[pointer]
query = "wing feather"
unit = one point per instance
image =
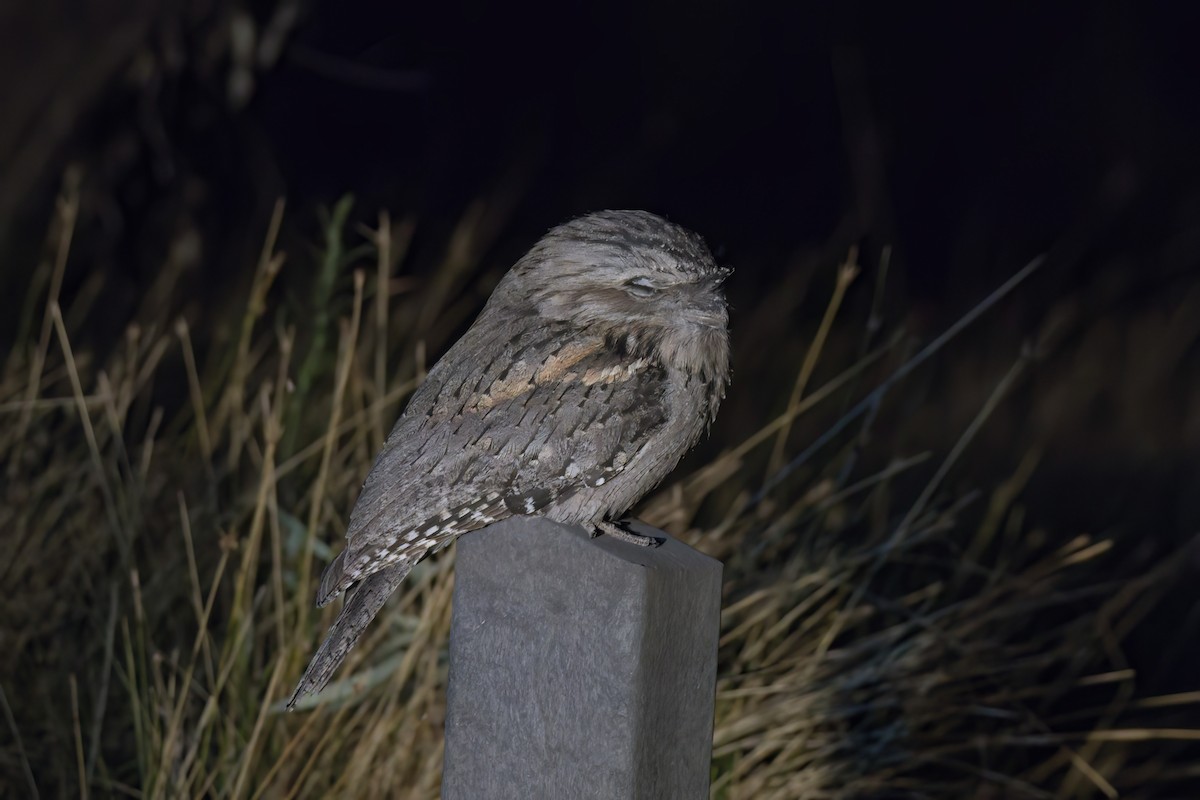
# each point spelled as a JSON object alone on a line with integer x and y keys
{"x": 468, "y": 453}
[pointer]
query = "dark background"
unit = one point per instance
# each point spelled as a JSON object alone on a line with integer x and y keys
{"x": 953, "y": 142}
{"x": 967, "y": 137}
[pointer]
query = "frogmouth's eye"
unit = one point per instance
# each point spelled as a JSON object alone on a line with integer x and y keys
{"x": 641, "y": 287}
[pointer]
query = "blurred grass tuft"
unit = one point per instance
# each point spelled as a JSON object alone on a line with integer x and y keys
{"x": 883, "y": 635}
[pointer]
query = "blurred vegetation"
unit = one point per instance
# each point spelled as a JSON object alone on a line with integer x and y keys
{"x": 883, "y": 634}
{"x": 978, "y": 585}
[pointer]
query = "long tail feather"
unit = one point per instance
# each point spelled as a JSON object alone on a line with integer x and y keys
{"x": 361, "y": 607}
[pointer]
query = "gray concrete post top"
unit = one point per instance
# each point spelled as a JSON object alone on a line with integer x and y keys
{"x": 580, "y": 668}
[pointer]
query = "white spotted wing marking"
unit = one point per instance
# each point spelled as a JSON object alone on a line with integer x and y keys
{"x": 413, "y": 543}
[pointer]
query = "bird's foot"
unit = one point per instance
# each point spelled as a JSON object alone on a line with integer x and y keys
{"x": 623, "y": 534}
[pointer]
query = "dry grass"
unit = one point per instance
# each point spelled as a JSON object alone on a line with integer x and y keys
{"x": 882, "y": 637}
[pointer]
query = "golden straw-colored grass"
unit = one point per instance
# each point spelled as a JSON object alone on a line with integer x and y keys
{"x": 168, "y": 502}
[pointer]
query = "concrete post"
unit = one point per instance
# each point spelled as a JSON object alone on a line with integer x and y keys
{"x": 580, "y": 668}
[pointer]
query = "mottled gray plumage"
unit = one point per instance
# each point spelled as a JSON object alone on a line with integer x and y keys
{"x": 595, "y": 365}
